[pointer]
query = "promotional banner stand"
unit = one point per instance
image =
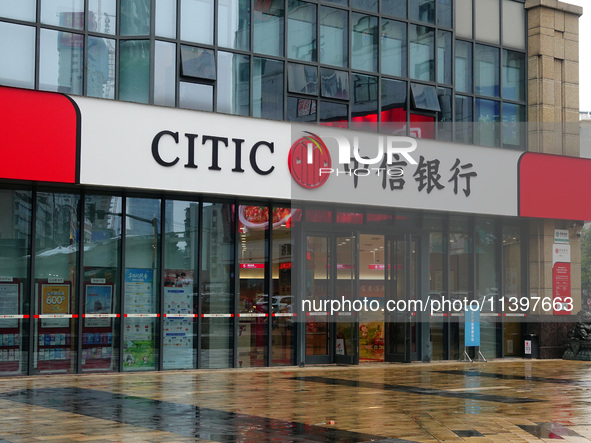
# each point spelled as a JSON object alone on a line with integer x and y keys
{"x": 472, "y": 335}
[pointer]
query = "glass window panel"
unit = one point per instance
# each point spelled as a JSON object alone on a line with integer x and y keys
{"x": 135, "y": 17}
{"x": 233, "y": 92}
{"x": 253, "y": 299}
{"x": 380, "y": 219}
{"x": 366, "y": 5}
{"x": 283, "y": 331}
{"x": 513, "y": 24}
{"x": 267, "y": 94}
{"x": 165, "y": 18}
{"x": 134, "y": 70}
{"x": 512, "y": 286}
{"x": 444, "y": 49}
{"x": 486, "y": 70}
{"x": 422, "y": 53}
{"x": 217, "y": 285}
{"x": 18, "y": 58}
{"x": 181, "y": 261}
{"x": 463, "y": 66}
{"x": 19, "y": 10}
{"x": 354, "y": 218}
{"x": 364, "y": 108}
{"x": 407, "y": 219}
{"x": 487, "y": 118}
{"x": 464, "y": 18}
{"x": 487, "y": 284}
{"x": 15, "y": 241}
{"x": 302, "y": 79}
{"x": 393, "y": 56}
{"x": 317, "y": 280}
{"x": 338, "y": 2}
{"x": 487, "y": 24}
{"x": 394, "y": 107}
{"x": 514, "y": 126}
{"x": 56, "y": 272}
{"x": 333, "y": 114}
{"x": 364, "y": 42}
{"x": 319, "y": 216}
{"x": 424, "y": 97}
{"x": 301, "y": 36}
{"x": 164, "y": 73}
{"x": 422, "y": 126}
{"x": 513, "y": 75}
{"x": 100, "y": 71}
{"x": 197, "y": 63}
{"x": 197, "y": 21}
{"x": 396, "y": 8}
{"x": 437, "y": 290}
{"x": 234, "y": 24}
{"x": 463, "y": 119}
{"x": 102, "y": 249}
{"x": 269, "y": 27}
{"x": 102, "y": 16}
{"x": 422, "y": 10}
{"x": 445, "y": 117}
{"x": 65, "y": 13}
{"x": 196, "y": 96}
{"x": 444, "y": 12}
{"x": 301, "y": 109}
{"x": 142, "y": 284}
{"x": 61, "y": 61}
{"x": 460, "y": 248}
{"x": 334, "y": 84}
{"x": 334, "y": 47}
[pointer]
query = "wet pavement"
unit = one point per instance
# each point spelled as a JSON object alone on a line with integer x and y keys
{"x": 508, "y": 400}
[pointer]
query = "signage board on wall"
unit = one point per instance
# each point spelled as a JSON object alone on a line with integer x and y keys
{"x": 561, "y": 236}
{"x": 138, "y": 146}
{"x": 561, "y": 279}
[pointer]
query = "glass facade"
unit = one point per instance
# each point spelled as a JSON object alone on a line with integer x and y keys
{"x": 232, "y": 56}
{"x": 169, "y": 283}
{"x": 100, "y": 282}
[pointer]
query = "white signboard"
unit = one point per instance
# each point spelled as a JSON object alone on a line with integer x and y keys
{"x": 151, "y": 147}
{"x": 561, "y": 236}
{"x": 560, "y": 253}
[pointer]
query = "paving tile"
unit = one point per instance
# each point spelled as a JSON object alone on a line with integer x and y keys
{"x": 501, "y": 400}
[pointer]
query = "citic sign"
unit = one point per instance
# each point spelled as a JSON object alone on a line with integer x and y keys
{"x": 215, "y": 143}
{"x": 307, "y": 157}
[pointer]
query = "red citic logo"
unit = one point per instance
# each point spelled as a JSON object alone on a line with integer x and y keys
{"x": 306, "y": 157}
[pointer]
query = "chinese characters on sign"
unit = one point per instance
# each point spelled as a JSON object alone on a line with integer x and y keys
{"x": 427, "y": 174}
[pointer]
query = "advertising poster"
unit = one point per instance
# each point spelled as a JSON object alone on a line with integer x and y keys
{"x": 138, "y": 351}
{"x": 561, "y": 276}
{"x": 55, "y": 299}
{"x": 9, "y": 303}
{"x": 178, "y": 332}
{"x": 10, "y": 338}
{"x": 99, "y": 300}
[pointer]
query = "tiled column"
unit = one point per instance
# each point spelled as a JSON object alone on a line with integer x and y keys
{"x": 553, "y": 128}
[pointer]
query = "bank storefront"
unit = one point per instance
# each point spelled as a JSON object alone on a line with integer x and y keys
{"x": 142, "y": 238}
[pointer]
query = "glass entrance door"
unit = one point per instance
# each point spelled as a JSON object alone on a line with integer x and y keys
{"x": 330, "y": 274}
{"x": 401, "y": 286}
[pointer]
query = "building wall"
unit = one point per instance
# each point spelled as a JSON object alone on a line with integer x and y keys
{"x": 553, "y": 128}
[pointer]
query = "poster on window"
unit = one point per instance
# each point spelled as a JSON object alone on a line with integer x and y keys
{"x": 99, "y": 300}
{"x": 178, "y": 331}
{"x": 55, "y": 300}
{"x": 138, "y": 348}
{"x": 9, "y": 304}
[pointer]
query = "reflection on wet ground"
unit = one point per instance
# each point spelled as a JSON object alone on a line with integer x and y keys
{"x": 517, "y": 400}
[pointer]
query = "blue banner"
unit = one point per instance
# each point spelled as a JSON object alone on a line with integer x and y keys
{"x": 472, "y": 327}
